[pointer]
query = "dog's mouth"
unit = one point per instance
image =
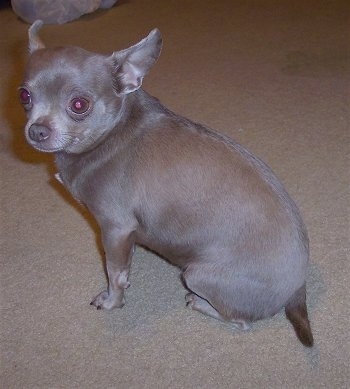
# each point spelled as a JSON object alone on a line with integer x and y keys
{"x": 45, "y": 149}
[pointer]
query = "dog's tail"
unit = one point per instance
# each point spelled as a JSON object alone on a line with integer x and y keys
{"x": 296, "y": 312}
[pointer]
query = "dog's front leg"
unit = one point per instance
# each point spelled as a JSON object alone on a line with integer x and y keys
{"x": 119, "y": 247}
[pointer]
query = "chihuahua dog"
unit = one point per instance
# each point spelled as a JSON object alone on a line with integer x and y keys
{"x": 153, "y": 178}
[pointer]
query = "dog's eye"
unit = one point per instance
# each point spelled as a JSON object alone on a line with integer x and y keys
{"x": 24, "y": 97}
{"x": 79, "y": 105}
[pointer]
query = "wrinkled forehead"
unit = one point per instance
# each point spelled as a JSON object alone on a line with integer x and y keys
{"x": 59, "y": 67}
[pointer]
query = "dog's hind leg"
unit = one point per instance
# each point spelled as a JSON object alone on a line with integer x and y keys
{"x": 201, "y": 298}
{"x": 201, "y": 305}
{"x": 197, "y": 303}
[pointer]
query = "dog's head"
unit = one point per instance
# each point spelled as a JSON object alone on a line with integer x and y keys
{"x": 74, "y": 98}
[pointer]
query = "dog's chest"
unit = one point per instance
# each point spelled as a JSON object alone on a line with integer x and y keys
{"x": 71, "y": 174}
{"x": 92, "y": 181}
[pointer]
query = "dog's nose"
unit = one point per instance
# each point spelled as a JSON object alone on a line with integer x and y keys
{"x": 38, "y": 133}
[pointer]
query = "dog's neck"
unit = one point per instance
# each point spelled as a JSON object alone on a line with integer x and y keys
{"x": 139, "y": 112}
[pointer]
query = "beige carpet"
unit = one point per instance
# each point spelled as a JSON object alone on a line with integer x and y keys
{"x": 272, "y": 74}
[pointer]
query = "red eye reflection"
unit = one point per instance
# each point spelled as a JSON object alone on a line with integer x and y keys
{"x": 24, "y": 96}
{"x": 79, "y": 105}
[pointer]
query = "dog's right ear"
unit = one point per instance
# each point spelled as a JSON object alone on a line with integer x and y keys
{"x": 35, "y": 43}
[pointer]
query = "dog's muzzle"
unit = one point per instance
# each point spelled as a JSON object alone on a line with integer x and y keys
{"x": 38, "y": 133}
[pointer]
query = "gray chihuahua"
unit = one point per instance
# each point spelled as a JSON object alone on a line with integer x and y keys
{"x": 153, "y": 178}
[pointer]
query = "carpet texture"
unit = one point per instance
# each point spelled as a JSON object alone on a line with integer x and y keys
{"x": 272, "y": 74}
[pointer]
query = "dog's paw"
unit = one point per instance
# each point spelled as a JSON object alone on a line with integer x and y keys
{"x": 106, "y": 301}
{"x": 190, "y": 298}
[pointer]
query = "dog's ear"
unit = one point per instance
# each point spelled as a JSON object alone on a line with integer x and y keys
{"x": 132, "y": 64}
{"x": 35, "y": 42}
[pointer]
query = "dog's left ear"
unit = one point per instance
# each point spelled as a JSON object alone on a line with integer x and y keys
{"x": 132, "y": 64}
{"x": 35, "y": 42}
